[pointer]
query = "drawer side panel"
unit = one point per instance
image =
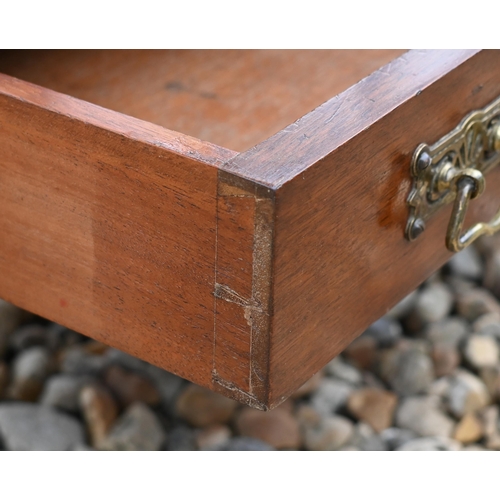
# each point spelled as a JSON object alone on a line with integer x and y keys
{"x": 109, "y": 235}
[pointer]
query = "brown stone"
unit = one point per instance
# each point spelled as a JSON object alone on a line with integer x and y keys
{"x": 99, "y": 410}
{"x": 4, "y": 378}
{"x": 469, "y": 429}
{"x": 276, "y": 427}
{"x": 476, "y": 302}
{"x": 446, "y": 358}
{"x": 491, "y": 378}
{"x": 201, "y": 407}
{"x": 130, "y": 387}
{"x": 362, "y": 352}
{"x": 374, "y": 406}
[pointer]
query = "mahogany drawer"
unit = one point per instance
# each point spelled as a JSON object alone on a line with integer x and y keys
{"x": 247, "y": 271}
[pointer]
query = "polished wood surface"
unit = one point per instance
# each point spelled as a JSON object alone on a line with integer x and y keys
{"x": 234, "y": 98}
{"x": 108, "y": 226}
{"x": 340, "y": 256}
{"x": 245, "y": 273}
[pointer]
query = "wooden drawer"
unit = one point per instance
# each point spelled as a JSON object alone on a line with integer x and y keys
{"x": 245, "y": 271}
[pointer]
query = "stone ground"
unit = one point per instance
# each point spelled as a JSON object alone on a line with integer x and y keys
{"x": 424, "y": 377}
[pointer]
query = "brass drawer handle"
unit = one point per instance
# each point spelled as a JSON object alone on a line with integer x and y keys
{"x": 452, "y": 170}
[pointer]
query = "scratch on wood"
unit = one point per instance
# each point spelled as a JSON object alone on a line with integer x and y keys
{"x": 242, "y": 396}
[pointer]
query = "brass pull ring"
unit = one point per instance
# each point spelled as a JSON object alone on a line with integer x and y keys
{"x": 469, "y": 184}
{"x": 452, "y": 171}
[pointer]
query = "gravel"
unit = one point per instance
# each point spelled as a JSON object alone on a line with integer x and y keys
{"x": 426, "y": 376}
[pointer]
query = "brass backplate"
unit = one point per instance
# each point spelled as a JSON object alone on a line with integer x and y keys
{"x": 474, "y": 143}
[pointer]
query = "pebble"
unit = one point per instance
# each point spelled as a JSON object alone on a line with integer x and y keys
{"x": 491, "y": 277}
{"x": 28, "y": 336}
{"x": 467, "y": 264}
{"x": 433, "y": 303}
{"x": 4, "y": 378}
{"x": 276, "y": 427}
{"x": 62, "y": 391}
{"x": 467, "y": 393}
{"x": 431, "y": 444}
{"x": 31, "y": 427}
{"x": 246, "y": 444}
{"x": 386, "y": 332}
{"x": 490, "y": 421}
{"x": 130, "y": 387}
{"x": 404, "y": 307}
{"x": 324, "y": 433}
{"x": 29, "y": 371}
{"x": 99, "y": 410}
{"x": 481, "y": 351}
{"x": 449, "y": 331}
{"x": 476, "y": 302}
{"x": 341, "y": 370}
{"x": 374, "y": 406}
{"x": 469, "y": 429}
{"x": 491, "y": 378}
{"x": 76, "y": 360}
{"x": 310, "y": 386}
{"x": 406, "y": 369}
{"x": 138, "y": 429}
{"x": 445, "y": 358}
{"x": 181, "y": 438}
{"x": 362, "y": 352}
{"x": 395, "y": 437}
{"x": 10, "y": 318}
{"x": 213, "y": 438}
{"x": 488, "y": 324}
{"x": 365, "y": 439}
{"x": 201, "y": 407}
{"x": 422, "y": 415}
{"x": 331, "y": 396}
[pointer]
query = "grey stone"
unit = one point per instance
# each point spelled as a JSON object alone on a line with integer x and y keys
{"x": 30, "y": 427}
{"x": 325, "y": 433}
{"x": 395, "y": 437}
{"x": 407, "y": 369}
{"x": 476, "y": 302}
{"x": 467, "y": 393}
{"x": 467, "y": 264}
{"x": 246, "y": 444}
{"x": 365, "y": 439}
{"x": 138, "y": 429}
{"x": 421, "y": 415}
{"x": 481, "y": 351}
{"x": 433, "y": 303}
{"x": 491, "y": 278}
{"x": 28, "y": 336}
{"x": 167, "y": 384}
{"x": 77, "y": 361}
{"x": 341, "y": 370}
{"x": 30, "y": 369}
{"x": 386, "y": 331}
{"x": 431, "y": 444}
{"x": 181, "y": 438}
{"x": 62, "y": 391}
{"x": 488, "y": 324}
{"x": 449, "y": 331}
{"x": 402, "y": 308}
{"x": 331, "y": 395}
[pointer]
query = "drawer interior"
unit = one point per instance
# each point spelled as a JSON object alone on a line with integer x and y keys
{"x": 232, "y": 98}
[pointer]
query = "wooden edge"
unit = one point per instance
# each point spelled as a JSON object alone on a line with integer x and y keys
{"x": 243, "y": 302}
{"x": 291, "y": 151}
{"x": 114, "y": 121}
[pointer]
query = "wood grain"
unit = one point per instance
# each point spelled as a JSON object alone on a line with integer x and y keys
{"x": 340, "y": 256}
{"x": 234, "y": 98}
{"x": 244, "y": 273}
{"x": 109, "y": 226}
